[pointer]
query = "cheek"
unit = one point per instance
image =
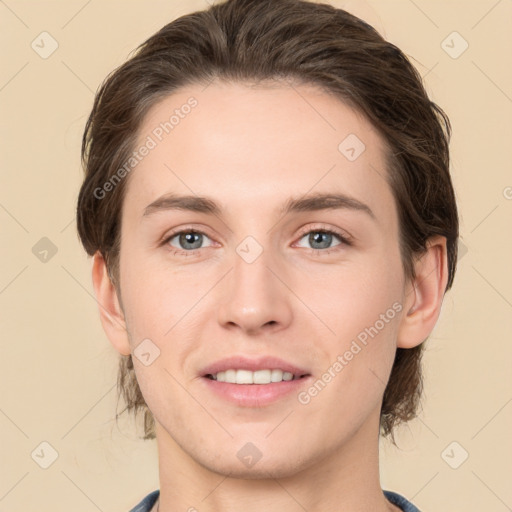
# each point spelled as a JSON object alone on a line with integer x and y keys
{"x": 350, "y": 299}
{"x": 362, "y": 309}
{"x": 155, "y": 295}
{"x": 351, "y": 384}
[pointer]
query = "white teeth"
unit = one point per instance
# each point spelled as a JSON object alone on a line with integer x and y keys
{"x": 230, "y": 376}
{"x": 262, "y": 377}
{"x": 277, "y": 376}
{"x": 244, "y": 377}
{"x": 248, "y": 377}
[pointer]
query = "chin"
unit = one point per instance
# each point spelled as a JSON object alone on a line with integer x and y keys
{"x": 259, "y": 471}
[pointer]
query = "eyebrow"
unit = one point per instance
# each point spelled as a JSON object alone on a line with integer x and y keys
{"x": 307, "y": 203}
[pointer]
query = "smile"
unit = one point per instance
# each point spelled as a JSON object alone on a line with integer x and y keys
{"x": 266, "y": 376}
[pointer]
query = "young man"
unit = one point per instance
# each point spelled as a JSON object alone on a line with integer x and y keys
{"x": 273, "y": 225}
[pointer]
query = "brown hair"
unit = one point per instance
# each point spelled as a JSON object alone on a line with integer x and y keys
{"x": 248, "y": 40}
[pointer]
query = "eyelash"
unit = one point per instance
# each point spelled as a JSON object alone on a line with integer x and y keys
{"x": 343, "y": 238}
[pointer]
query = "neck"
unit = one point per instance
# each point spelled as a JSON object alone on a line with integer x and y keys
{"x": 346, "y": 479}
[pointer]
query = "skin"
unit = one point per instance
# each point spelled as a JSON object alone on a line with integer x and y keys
{"x": 251, "y": 148}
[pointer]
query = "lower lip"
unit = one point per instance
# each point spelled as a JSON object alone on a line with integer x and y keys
{"x": 255, "y": 395}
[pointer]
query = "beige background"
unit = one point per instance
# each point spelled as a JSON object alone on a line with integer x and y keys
{"x": 58, "y": 370}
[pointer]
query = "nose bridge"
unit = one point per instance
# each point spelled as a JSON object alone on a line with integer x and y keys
{"x": 251, "y": 274}
{"x": 253, "y": 297}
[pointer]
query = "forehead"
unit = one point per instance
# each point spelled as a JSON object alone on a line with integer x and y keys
{"x": 256, "y": 146}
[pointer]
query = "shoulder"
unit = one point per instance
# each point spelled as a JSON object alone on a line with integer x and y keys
{"x": 147, "y": 503}
{"x": 400, "y": 501}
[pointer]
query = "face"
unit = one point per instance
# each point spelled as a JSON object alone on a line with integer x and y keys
{"x": 283, "y": 262}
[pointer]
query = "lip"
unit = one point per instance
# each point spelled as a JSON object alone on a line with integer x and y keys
{"x": 245, "y": 363}
{"x": 254, "y": 395}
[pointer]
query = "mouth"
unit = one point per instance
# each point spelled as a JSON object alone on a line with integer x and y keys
{"x": 261, "y": 377}
{"x": 249, "y": 382}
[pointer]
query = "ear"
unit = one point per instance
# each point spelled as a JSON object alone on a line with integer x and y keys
{"x": 424, "y": 295}
{"x": 111, "y": 313}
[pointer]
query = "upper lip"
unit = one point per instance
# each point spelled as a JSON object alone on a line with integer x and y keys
{"x": 252, "y": 364}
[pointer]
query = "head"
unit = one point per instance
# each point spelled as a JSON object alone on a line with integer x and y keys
{"x": 251, "y": 103}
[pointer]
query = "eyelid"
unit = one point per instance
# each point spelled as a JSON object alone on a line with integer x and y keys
{"x": 184, "y": 229}
{"x": 345, "y": 237}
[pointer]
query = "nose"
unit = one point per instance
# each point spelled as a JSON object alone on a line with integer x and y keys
{"x": 254, "y": 296}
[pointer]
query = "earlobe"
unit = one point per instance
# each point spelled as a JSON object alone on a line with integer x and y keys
{"x": 424, "y": 299}
{"x": 111, "y": 313}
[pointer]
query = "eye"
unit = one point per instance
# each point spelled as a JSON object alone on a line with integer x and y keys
{"x": 187, "y": 240}
{"x": 322, "y": 239}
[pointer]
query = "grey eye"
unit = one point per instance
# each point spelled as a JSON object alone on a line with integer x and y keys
{"x": 188, "y": 240}
{"x": 321, "y": 239}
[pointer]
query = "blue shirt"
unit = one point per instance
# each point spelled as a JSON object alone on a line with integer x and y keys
{"x": 395, "y": 498}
